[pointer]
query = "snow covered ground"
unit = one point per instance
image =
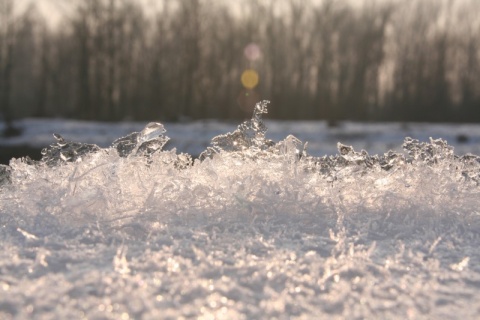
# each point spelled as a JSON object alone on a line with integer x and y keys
{"x": 255, "y": 230}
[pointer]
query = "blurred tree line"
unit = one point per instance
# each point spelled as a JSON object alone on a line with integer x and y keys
{"x": 116, "y": 60}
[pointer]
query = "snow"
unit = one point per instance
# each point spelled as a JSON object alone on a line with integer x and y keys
{"x": 257, "y": 229}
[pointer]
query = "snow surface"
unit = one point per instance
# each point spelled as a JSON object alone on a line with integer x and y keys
{"x": 255, "y": 230}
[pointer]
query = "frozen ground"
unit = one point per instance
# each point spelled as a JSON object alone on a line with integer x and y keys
{"x": 254, "y": 230}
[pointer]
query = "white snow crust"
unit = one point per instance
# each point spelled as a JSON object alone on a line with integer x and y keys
{"x": 262, "y": 230}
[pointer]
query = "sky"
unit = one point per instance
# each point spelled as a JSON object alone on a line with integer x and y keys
{"x": 55, "y": 10}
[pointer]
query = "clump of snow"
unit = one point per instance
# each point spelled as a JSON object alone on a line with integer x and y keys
{"x": 256, "y": 229}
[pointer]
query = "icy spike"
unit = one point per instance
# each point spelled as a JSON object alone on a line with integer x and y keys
{"x": 145, "y": 142}
{"x": 151, "y": 131}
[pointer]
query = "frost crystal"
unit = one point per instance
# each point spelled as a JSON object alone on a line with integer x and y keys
{"x": 146, "y": 142}
{"x": 432, "y": 152}
{"x": 258, "y": 230}
{"x": 65, "y": 151}
{"x": 249, "y": 137}
{"x": 291, "y": 146}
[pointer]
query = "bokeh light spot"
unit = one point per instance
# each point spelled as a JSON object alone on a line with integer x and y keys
{"x": 252, "y": 52}
{"x": 249, "y": 78}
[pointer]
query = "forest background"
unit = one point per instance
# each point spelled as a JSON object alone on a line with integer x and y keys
{"x": 116, "y": 60}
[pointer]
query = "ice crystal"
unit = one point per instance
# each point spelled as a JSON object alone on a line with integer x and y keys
{"x": 146, "y": 142}
{"x": 432, "y": 152}
{"x": 254, "y": 229}
{"x": 65, "y": 151}
{"x": 247, "y": 139}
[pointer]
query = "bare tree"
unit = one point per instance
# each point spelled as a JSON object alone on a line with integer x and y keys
{"x": 326, "y": 59}
{"x": 7, "y": 39}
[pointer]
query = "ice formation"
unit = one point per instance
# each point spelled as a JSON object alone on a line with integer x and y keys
{"x": 252, "y": 229}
